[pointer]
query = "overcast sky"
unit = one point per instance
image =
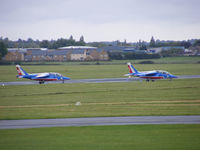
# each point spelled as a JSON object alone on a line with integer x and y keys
{"x": 100, "y": 20}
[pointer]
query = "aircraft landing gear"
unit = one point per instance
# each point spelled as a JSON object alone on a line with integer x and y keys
{"x": 149, "y": 80}
{"x": 41, "y": 82}
{"x": 63, "y": 81}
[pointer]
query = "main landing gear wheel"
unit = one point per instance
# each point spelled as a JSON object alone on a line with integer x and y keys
{"x": 41, "y": 82}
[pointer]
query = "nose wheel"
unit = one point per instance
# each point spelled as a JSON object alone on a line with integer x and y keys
{"x": 63, "y": 81}
{"x": 41, "y": 82}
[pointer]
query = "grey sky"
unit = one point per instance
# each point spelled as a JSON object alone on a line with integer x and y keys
{"x": 100, "y": 20}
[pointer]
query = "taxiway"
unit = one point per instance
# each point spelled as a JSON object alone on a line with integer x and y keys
{"x": 104, "y": 80}
{"x": 98, "y": 121}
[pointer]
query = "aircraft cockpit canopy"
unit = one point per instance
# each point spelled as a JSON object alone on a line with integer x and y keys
{"x": 56, "y": 74}
{"x": 163, "y": 72}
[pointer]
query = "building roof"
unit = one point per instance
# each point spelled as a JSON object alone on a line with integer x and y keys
{"x": 28, "y": 57}
{"x": 21, "y": 50}
{"x": 118, "y": 48}
{"x": 37, "y": 49}
{"x": 57, "y": 52}
{"x": 78, "y": 51}
{"x": 39, "y": 53}
{"x": 78, "y": 47}
{"x": 49, "y": 53}
{"x": 173, "y": 47}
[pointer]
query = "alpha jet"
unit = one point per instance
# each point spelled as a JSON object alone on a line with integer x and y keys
{"x": 149, "y": 75}
{"x": 41, "y": 77}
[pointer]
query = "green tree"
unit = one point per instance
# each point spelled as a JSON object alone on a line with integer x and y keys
{"x": 186, "y": 44}
{"x": 3, "y": 49}
{"x": 71, "y": 41}
{"x": 81, "y": 39}
{"x": 44, "y": 44}
{"x": 172, "y": 52}
{"x": 152, "y": 42}
{"x": 81, "y": 42}
{"x": 97, "y": 44}
{"x": 142, "y": 46}
{"x": 71, "y": 38}
{"x": 196, "y": 43}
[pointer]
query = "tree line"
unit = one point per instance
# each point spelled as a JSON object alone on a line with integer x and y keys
{"x": 141, "y": 45}
{"x": 62, "y": 42}
{"x": 51, "y": 44}
{"x": 157, "y": 43}
{"x": 131, "y": 55}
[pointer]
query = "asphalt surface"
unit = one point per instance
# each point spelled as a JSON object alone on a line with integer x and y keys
{"x": 105, "y": 80}
{"x": 98, "y": 121}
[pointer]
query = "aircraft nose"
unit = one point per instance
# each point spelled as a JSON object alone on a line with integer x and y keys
{"x": 66, "y": 78}
{"x": 173, "y": 76}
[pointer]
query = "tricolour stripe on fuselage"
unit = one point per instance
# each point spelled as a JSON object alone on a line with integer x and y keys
{"x": 149, "y": 77}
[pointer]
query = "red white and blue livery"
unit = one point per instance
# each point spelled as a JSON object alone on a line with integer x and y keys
{"x": 149, "y": 75}
{"x": 41, "y": 77}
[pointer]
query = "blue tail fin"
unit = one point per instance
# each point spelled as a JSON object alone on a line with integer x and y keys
{"x": 131, "y": 68}
{"x": 21, "y": 71}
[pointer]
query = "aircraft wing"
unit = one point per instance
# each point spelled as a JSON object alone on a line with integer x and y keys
{"x": 130, "y": 74}
{"x": 150, "y": 73}
{"x": 42, "y": 75}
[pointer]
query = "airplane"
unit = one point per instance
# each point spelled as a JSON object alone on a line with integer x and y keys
{"x": 149, "y": 75}
{"x": 41, "y": 77}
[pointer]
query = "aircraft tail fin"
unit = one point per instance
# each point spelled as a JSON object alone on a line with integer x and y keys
{"x": 131, "y": 68}
{"x": 21, "y": 71}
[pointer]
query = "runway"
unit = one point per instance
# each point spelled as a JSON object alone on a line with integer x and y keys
{"x": 104, "y": 80}
{"x": 98, "y": 121}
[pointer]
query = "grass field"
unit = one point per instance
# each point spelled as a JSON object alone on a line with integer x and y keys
{"x": 165, "y": 60}
{"x": 177, "y": 97}
{"x": 164, "y": 97}
{"x": 139, "y": 137}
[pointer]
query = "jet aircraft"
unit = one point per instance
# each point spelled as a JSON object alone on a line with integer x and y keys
{"x": 149, "y": 75}
{"x": 41, "y": 77}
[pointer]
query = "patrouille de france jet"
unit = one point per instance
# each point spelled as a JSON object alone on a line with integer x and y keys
{"x": 149, "y": 75}
{"x": 41, "y": 77}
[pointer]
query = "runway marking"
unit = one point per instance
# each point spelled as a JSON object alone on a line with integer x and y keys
{"x": 146, "y": 103}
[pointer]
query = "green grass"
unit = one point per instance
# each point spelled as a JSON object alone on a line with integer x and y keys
{"x": 164, "y": 97}
{"x": 177, "y": 97}
{"x": 165, "y": 60}
{"x": 172, "y": 60}
{"x": 139, "y": 137}
{"x": 8, "y": 73}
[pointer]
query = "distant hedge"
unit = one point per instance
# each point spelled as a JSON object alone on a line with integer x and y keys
{"x": 131, "y": 55}
{"x": 146, "y": 62}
